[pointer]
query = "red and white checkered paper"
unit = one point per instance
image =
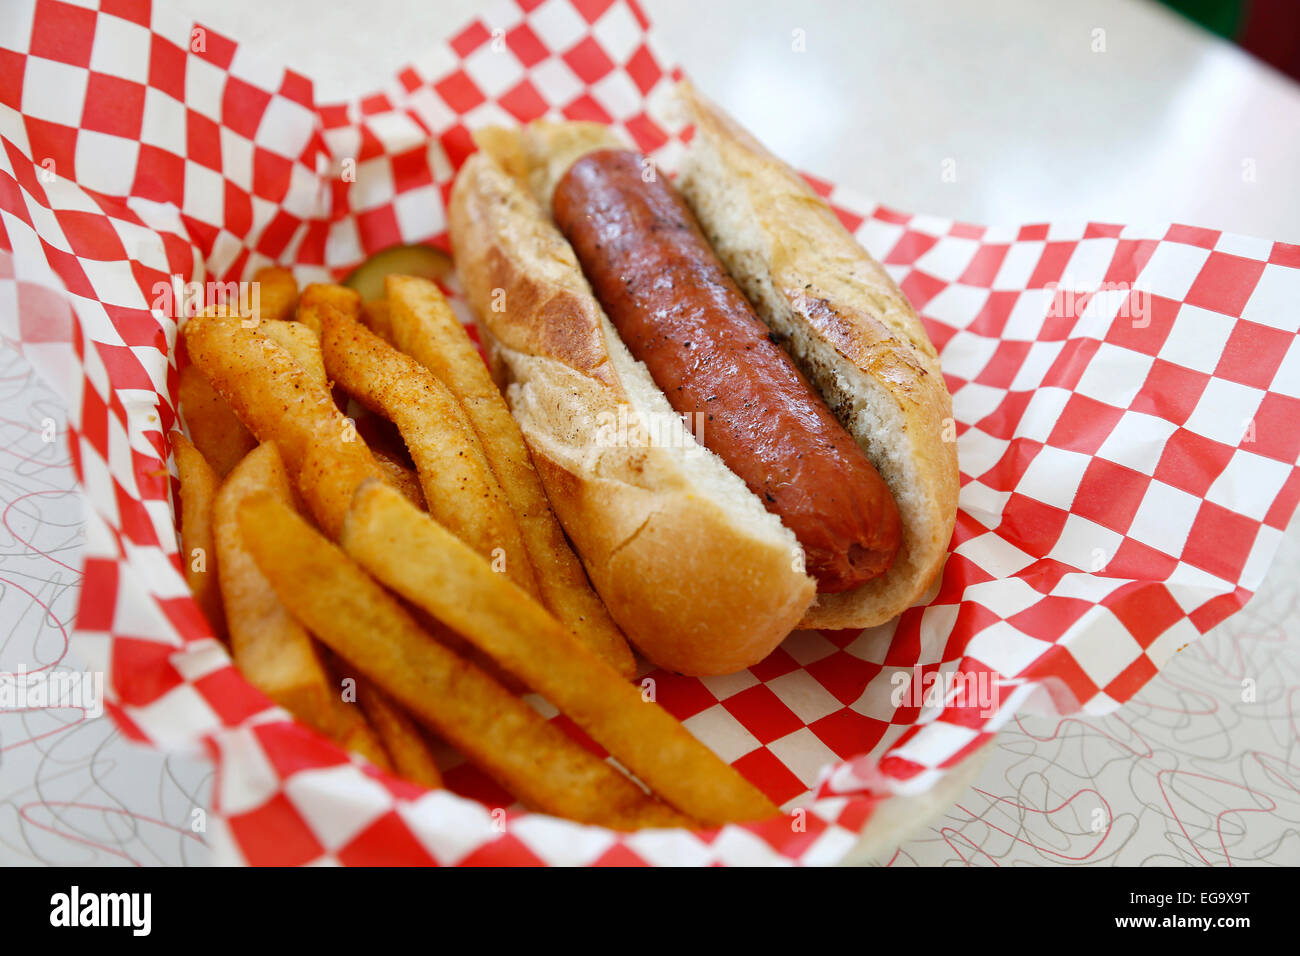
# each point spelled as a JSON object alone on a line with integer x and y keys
{"x": 1124, "y": 483}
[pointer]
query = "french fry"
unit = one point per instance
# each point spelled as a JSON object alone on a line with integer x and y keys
{"x": 275, "y": 299}
{"x": 374, "y": 316}
{"x": 424, "y": 327}
{"x": 217, "y": 432}
{"x": 198, "y": 552}
{"x": 300, "y": 342}
{"x": 402, "y": 478}
{"x": 408, "y": 551}
{"x": 460, "y": 489}
{"x": 277, "y": 401}
{"x": 401, "y": 736}
{"x": 271, "y": 649}
{"x": 277, "y": 293}
{"x": 321, "y": 297}
{"x": 318, "y": 480}
{"x": 326, "y": 480}
{"x": 347, "y": 610}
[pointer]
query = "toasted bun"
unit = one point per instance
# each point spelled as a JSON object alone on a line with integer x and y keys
{"x": 848, "y": 328}
{"x": 701, "y": 577}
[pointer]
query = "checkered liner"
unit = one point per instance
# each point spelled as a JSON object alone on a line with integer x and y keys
{"x": 1126, "y": 404}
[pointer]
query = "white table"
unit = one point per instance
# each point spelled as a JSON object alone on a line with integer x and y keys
{"x": 1037, "y": 126}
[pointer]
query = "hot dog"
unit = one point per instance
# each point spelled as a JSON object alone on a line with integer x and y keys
{"x": 827, "y": 494}
{"x": 679, "y": 312}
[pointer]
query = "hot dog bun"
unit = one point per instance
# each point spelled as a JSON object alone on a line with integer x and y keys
{"x": 699, "y": 575}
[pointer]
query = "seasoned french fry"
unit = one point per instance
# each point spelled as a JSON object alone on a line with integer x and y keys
{"x": 374, "y": 315}
{"x": 300, "y": 342}
{"x": 424, "y": 327}
{"x": 460, "y": 489}
{"x": 347, "y": 610}
{"x": 272, "y": 650}
{"x": 401, "y": 736}
{"x": 319, "y": 480}
{"x": 216, "y": 430}
{"x": 277, "y": 293}
{"x": 408, "y": 551}
{"x": 277, "y": 401}
{"x": 321, "y": 297}
{"x": 198, "y": 553}
{"x": 402, "y": 478}
{"x": 326, "y": 480}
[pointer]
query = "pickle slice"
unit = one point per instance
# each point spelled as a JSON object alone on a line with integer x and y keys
{"x": 426, "y": 262}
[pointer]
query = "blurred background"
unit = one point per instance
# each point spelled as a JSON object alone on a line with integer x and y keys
{"x": 1270, "y": 29}
{"x": 996, "y": 111}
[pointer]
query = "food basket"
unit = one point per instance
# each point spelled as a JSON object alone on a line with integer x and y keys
{"x": 1126, "y": 403}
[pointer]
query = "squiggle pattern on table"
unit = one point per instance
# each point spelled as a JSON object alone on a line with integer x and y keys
{"x": 72, "y": 790}
{"x": 1199, "y": 769}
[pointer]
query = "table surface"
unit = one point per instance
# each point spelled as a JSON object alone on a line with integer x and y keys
{"x": 1042, "y": 118}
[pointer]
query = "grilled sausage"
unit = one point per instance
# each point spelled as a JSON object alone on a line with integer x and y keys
{"x": 678, "y": 311}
